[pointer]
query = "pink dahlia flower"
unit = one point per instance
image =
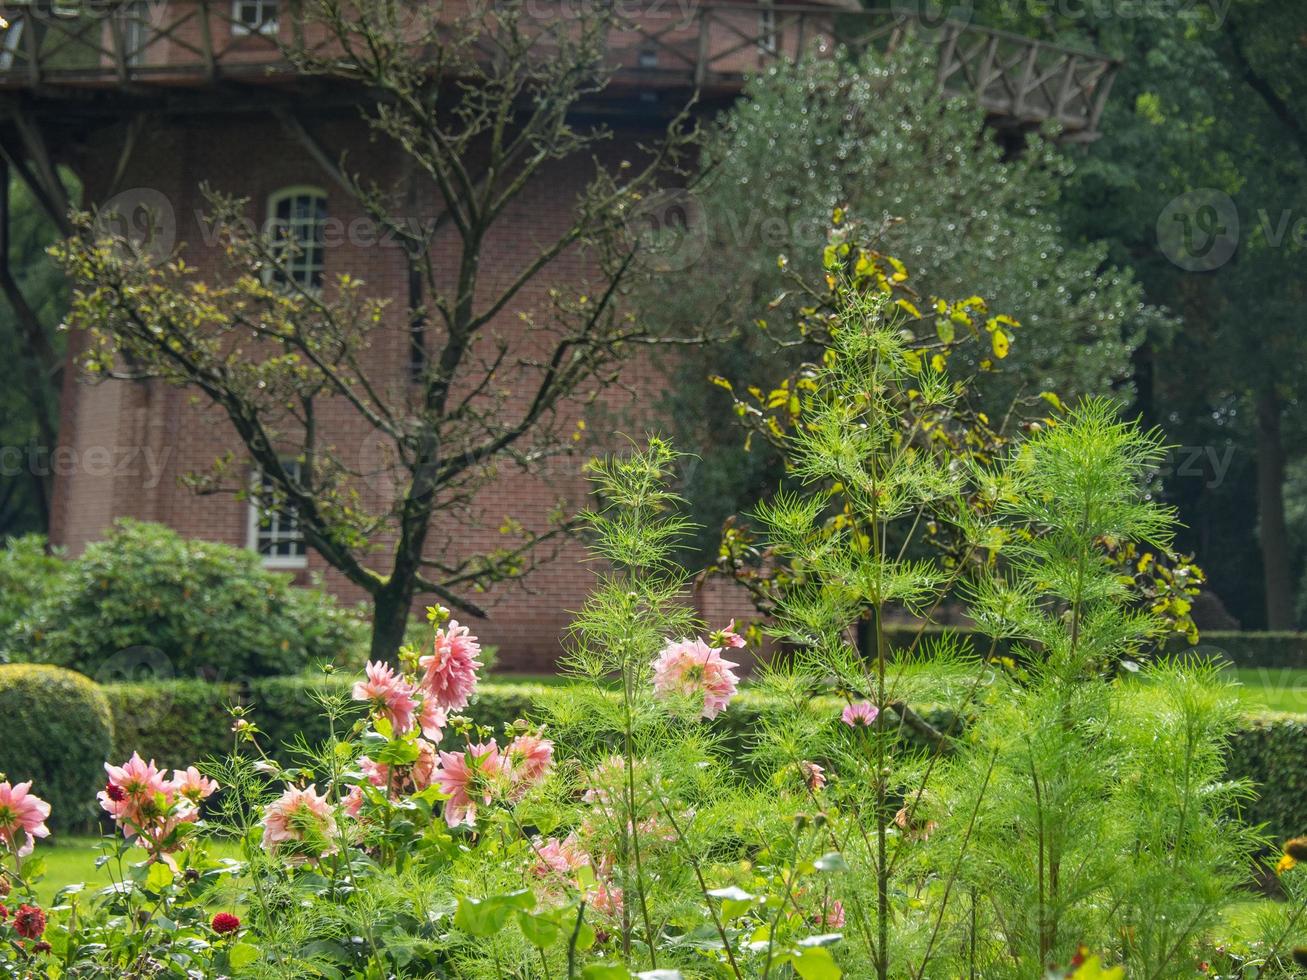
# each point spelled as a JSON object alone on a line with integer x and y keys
{"x": 451, "y": 670}
{"x": 302, "y": 819}
{"x": 606, "y": 899}
{"x": 433, "y": 719}
{"x": 389, "y": 694}
{"x": 529, "y": 758}
{"x": 814, "y": 775}
{"x": 423, "y": 773}
{"x": 468, "y": 778}
{"x": 831, "y": 916}
{"x": 860, "y": 714}
{"x": 692, "y": 668}
{"x": 22, "y": 815}
{"x": 136, "y": 796}
{"x": 192, "y": 786}
{"x": 560, "y": 857}
{"x": 727, "y": 637}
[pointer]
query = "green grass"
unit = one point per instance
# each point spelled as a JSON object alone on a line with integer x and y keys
{"x": 1274, "y": 688}
{"x": 69, "y": 860}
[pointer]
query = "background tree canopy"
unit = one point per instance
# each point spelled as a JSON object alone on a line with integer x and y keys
{"x": 873, "y": 137}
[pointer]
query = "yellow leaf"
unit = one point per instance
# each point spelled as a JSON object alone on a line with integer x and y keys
{"x": 1052, "y": 399}
{"x": 908, "y": 308}
{"x": 1000, "y": 344}
{"x": 937, "y": 363}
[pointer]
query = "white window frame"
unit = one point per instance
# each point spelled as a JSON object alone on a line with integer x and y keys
{"x": 768, "y": 40}
{"x": 254, "y": 530}
{"x": 265, "y": 24}
{"x": 273, "y": 230}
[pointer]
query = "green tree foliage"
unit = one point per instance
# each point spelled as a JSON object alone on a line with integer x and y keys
{"x": 875, "y": 137}
{"x": 31, "y": 354}
{"x": 1204, "y": 144}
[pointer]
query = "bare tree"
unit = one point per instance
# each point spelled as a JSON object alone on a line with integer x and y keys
{"x": 479, "y": 105}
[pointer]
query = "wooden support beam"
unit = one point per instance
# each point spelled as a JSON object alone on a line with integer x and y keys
{"x": 46, "y": 173}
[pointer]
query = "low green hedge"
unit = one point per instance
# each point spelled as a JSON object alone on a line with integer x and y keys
{"x": 180, "y": 722}
{"x": 58, "y": 732}
{"x": 1253, "y": 649}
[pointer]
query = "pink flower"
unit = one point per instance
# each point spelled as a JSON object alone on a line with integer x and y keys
{"x": 137, "y": 795}
{"x": 302, "y": 819}
{"x": 467, "y": 778}
{"x": 451, "y": 670}
{"x": 353, "y": 802}
{"x": 727, "y": 637}
{"x": 529, "y": 758}
{"x": 831, "y": 916}
{"x": 424, "y": 769}
{"x": 377, "y": 773}
{"x": 691, "y": 667}
{"x": 192, "y": 786}
{"x": 23, "y": 814}
{"x": 389, "y": 694}
{"x": 433, "y": 719}
{"x": 813, "y": 774}
{"x": 860, "y": 714}
{"x": 560, "y": 857}
{"x": 606, "y": 899}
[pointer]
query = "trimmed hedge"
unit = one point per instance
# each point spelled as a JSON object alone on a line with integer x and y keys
{"x": 1253, "y": 649}
{"x": 1271, "y": 750}
{"x": 180, "y": 722}
{"x": 58, "y": 734}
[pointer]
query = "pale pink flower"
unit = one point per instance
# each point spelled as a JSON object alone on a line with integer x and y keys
{"x": 423, "y": 773}
{"x": 860, "y": 714}
{"x": 192, "y": 786}
{"x": 136, "y": 796}
{"x": 451, "y": 670}
{"x": 560, "y": 857}
{"x": 433, "y": 719}
{"x": 353, "y": 801}
{"x": 377, "y": 773}
{"x": 23, "y": 814}
{"x": 606, "y": 899}
{"x": 727, "y": 637}
{"x": 691, "y": 668}
{"x": 468, "y": 778}
{"x": 831, "y": 916}
{"x": 813, "y": 774}
{"x": 389, "y": 694}
{"x": 299, "y": 817}
{"x": 529, "y": 758}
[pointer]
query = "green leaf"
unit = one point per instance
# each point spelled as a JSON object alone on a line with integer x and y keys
{"x": 815, "y": 963}
{"x": 242, "y": 955}
{"x": 734, "y": 893}
{"x": 606, "y": 971}
{"x": 159, "y": 877}
{"x": 831, "y": 862}
{"x": 540, "y": 931}
{"x": 944, "y": 327}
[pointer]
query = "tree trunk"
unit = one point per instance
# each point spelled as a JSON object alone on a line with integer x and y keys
{"x": 1270, "y": 512}
{"x": 389, "y": 621}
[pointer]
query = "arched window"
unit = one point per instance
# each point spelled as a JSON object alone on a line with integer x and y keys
{"x": 296, "y": 218}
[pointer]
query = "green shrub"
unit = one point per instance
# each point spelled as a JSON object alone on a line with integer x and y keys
{"x": 58, "y": 734}
{"x": 27, "y": 574}
{"x": 1254, "y": 649}
{"x": 1271, "y": 750}
{"x": 145, "y": 596}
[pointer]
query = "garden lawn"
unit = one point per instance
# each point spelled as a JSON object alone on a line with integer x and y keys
{"x": 1273, "y": 688}
{"x": 69, "y": 860}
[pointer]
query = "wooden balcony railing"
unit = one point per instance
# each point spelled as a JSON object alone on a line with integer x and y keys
{"x": 174, "y": 43}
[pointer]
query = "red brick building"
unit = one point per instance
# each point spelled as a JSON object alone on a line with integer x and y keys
{"x": 147, "y": 100}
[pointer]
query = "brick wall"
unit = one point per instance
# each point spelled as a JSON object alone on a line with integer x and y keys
{"x": 157, "y": 433}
